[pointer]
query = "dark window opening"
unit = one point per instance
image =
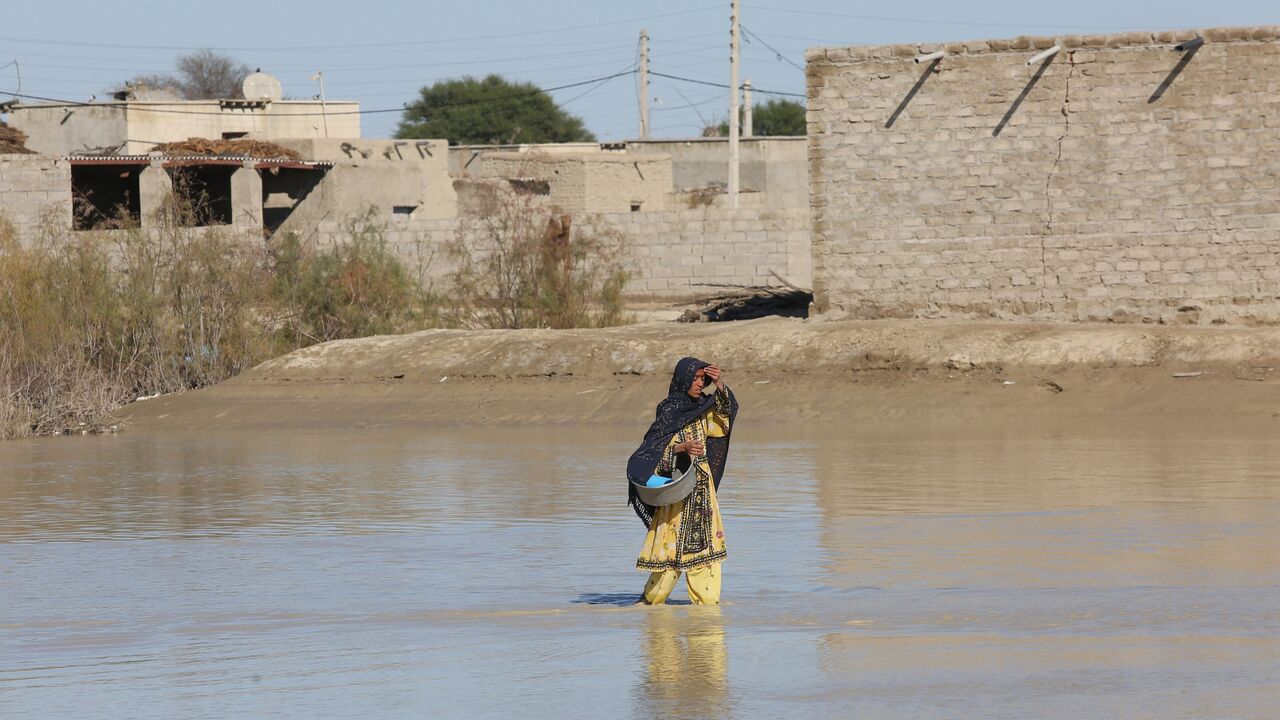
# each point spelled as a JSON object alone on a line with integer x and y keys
{"x": 105, "y": 196}
{"x": 234, "y": 135}
{"x": 204, "y": 194}
{"x": 635, "y": 207}
{"x": 524, "y": 186}
{"x": 283, "y": 189}
{"x": 403, "y": 209}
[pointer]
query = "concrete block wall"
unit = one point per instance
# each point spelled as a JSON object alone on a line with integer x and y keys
{"x": 134, "y": 127}
{"x": 1120, "y": 180}
{"x": 683, "y": 254}
{"x": 673, "y": 255}
{"x": 35, "y": 190}
{"x": 774, "y": 167}
{"x": 586, "y": 182}
{"x": 380, "y": 173}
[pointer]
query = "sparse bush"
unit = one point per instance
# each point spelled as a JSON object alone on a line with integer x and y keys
{"x": 521, "y": 266}
{"x": 355, "y": 288}
{"x": 91, "y": 320}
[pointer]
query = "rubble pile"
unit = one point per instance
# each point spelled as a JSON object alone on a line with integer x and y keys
{"x": 747, "y": 303}
{"x": 239, "y": 148}
{"x": 13, "y": 141}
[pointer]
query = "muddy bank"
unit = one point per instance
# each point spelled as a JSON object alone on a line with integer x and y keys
{"x": 786, "y": 369}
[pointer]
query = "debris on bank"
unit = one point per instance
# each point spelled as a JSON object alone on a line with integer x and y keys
{"x": 748, "y": 303}
{"x": 13, "y": 141}
{"x": 241, "y": 147}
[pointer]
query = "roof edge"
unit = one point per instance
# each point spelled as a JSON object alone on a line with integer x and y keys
{"x": 826, "y": 55}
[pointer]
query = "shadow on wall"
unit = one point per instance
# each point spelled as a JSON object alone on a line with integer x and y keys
{"x": 283, "y": 190}
{"x": 1174, "y": 73}
{"x": 931, "y": 69}
{"x": 1189, "y": 49}
{"x": 1022, "y": 95}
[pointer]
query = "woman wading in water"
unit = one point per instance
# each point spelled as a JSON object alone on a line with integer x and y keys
{"x": 691, "y": 428}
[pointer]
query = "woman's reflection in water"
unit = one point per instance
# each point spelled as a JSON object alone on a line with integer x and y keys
{"x": 687, "y": 663}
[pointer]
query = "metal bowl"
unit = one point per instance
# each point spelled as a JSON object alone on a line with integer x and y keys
{"x": 672, "y": 492}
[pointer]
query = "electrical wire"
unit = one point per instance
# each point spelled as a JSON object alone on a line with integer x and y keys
{"x": 364, "y": 46}
{"x": 929, "y": 21}
{"x": 599, "y": 84}
{"x": 725, "y": 85}
{"x": 689, "y": 103}
{"x": 365, "y": 68}
{"x": 479, "y": 101}
{"x": 776, "y": 52}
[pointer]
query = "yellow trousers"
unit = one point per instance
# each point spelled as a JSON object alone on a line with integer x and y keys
{"x": 703, "y": 582}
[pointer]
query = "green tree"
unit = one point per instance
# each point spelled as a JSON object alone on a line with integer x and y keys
{"x": 774, "y": 117}
{"x": 494, "y": 110}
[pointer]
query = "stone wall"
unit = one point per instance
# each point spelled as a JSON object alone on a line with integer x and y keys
{"x": 1121, "y": 179}
{"x": 35, "y": 192}
{"x": 673, "y": 255}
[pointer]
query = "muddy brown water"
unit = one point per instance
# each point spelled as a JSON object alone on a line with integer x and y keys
{"x": 896, "y": 570}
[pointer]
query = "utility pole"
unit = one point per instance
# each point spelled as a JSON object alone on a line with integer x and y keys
{"x": 644, "y": 84}
{"x": 746, "y": 108}
{"x": 733, "y": 107}
{"x": 324, "y": 113}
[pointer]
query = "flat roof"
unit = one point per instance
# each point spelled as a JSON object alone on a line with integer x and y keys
{"x": 187, "y": 160}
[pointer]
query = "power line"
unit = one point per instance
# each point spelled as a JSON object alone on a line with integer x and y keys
{"x": 116, "y": 81}
{"x": 166, "y": 65}
{"x": 689, "y": 103}
{"x": 351, "y": 68}
{"x": 365, "y": 46}
{"x": 599, "y": 84}
{"x": 693, "y": 106}
{"x": 929, "y": 21}
{"x": 725, "y": 85}
{"x": 477, "y": 101}
{"x": 775, "y": 51}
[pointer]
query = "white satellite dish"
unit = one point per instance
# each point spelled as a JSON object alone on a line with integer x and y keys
{"x": 261, "y": 86}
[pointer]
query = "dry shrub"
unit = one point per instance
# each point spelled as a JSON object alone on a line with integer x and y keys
{"x": 94, "y": 319}
{"x": 354, "y": 288}
{"x": 523, "y": 265}
{"x": 703, "y": 196}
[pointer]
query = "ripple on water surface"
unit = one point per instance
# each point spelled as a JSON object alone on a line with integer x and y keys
{"x": 896, "y": 570}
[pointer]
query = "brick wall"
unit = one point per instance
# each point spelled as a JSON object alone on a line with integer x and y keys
{"x": 1121, "y": 180}
{"x": 35, "y": 189}
{"x": 672, "y": 255}
{"x": 678, "y": 254}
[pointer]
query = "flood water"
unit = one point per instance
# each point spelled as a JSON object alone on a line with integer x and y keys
{"x": 891, "y": 571}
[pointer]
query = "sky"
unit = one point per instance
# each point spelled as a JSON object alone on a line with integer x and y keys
{"x": 381, "y": 53}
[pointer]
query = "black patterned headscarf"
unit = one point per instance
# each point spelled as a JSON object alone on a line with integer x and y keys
{"x": 676, "y": 412}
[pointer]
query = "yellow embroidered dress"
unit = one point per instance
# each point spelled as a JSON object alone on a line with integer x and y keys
{"x": 689, "y": 534}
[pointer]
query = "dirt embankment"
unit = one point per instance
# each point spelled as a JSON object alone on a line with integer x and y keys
{"x": 782, "y": 369}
